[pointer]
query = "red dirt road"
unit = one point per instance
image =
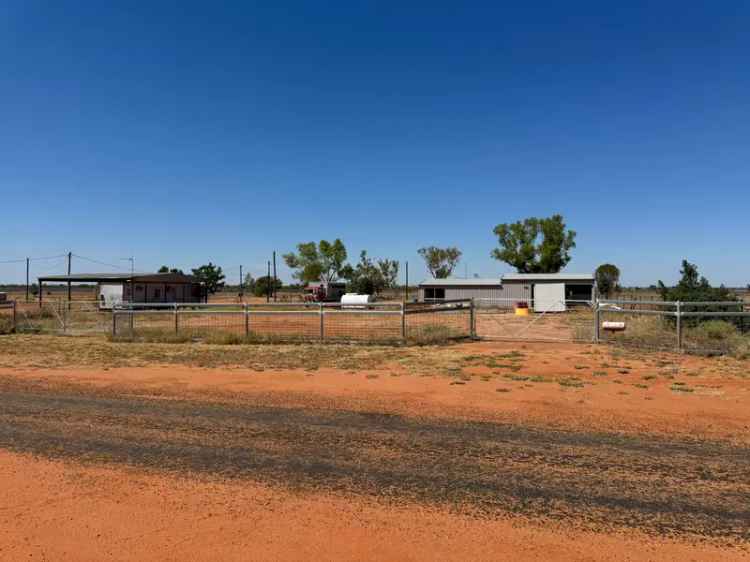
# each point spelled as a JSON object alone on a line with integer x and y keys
{"x": 64, "y": 512}
{"x": 180, "y": 463}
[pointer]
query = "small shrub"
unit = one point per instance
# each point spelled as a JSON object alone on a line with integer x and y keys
{"x": 6, "y": 325}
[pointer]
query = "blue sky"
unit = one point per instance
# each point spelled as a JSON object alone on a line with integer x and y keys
{"x": 185, "y": 132}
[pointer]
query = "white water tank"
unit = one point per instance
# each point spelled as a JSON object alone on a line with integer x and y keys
{"x": 355, "y": 300}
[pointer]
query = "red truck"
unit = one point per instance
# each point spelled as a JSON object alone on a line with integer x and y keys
{"x": 324, "y": 292}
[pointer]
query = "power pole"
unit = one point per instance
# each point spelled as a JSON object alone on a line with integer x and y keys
{"x": 268, "y": 278}
{"x": 70, "y": 258}
{"x": 27, "y": 279}
{"x": 274, "y": 276}
{"x": 242, "y": 292}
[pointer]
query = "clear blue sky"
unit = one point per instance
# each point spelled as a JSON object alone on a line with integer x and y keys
{"x": 185, "y": 132}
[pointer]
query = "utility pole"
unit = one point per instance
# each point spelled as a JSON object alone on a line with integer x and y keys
{"x": 70, "y": 258}
{"x": 27, "y": 279}
{"x": 268, "y": 278}
{"x": 242, "y": 292}
{"x": 274, "y": 276}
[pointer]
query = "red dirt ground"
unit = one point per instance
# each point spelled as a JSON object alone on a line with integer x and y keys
{"x": 63, "y": 510}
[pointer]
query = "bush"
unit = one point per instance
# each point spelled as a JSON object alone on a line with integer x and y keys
{"x": 717, "y": 337}
{"x": 6, "y": 325}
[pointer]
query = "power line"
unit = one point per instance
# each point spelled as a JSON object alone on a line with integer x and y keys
{"x": 98, "y": 262}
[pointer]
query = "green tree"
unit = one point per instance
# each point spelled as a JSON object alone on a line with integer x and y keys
{"x": 211, "y": 276}
{"x": 262, "y": 286}
{"x": 693, "y": 287}
{"x": 323, "y": 262}
{"x": 249, "y": 283}
{"x": 607, "y": 278}
{"x": 389, "y": 272}
{"x": 166, "y": 269}
{"x": 364, "y": 278}
{"x": 535, "y": 245}
{"x": 440, "y": 262}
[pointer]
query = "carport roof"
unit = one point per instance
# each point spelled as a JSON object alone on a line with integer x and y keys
{"x": 103, "y": 277}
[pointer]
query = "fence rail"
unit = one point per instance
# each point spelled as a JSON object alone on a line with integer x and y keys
{"x": 386, "y": 321}
{"x": 702, "y": 327}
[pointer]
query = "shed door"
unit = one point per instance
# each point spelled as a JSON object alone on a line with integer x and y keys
{"x": 549, "y": 297}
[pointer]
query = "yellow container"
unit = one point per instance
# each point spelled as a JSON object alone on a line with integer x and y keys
{"x": 522, "y": 311}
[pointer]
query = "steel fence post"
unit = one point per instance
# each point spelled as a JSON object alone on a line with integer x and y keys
{"x": 322, "y": 327}
{"x": 114, "y": 322}
{"x": 14, "y": 317}
{"x": 597, "y": 321}
{"x": 247, "y": 320}
{"x": 472, "y": 320}
{"x": 403, "y": 321}
{"x": 176, "y": 319}
{"x": 679, "y": 325}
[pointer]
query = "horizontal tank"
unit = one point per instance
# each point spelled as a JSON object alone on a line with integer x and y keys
{"x": 355, "y": 300}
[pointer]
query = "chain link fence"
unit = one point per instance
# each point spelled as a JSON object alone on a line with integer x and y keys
{"x": 373, "y": 322}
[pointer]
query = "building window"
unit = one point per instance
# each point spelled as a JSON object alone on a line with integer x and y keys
{"x": 434, "y": 294}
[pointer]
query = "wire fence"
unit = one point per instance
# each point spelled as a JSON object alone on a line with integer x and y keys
{"x": 543, "y": 320}
{"x": 373, "y": 322}
{"x": 694, "y": 327}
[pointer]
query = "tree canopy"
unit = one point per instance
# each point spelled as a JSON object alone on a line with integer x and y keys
{"x": 369, "y": 277}
{"x": 535, "y": 245}
{"x": 440, "y": 262}
{"x": 167, "y": 269}
{"x": 607, "y": 278}
{"x": 262, "y": 286}
{"x": 210, "y": 275}
{"x": 323, "y": 262}
{"x": 693, "y": 287}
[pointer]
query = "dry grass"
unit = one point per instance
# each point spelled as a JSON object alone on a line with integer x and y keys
{"x": 46, "y": 351}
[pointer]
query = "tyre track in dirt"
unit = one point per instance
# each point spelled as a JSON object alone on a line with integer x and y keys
{"x": 597, "y": 481}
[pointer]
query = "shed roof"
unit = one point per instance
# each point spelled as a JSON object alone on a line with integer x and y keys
{"x": 548, "y": 277}
{"x": 452, "y": 282}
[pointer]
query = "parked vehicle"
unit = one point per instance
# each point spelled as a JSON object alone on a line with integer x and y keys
{"x": 324, "y": 292}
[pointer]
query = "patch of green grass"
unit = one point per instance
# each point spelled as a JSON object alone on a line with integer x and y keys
{"x": 516, "y": 377}
{"x": 600, "y": 373}
{"x": 639, "y": 385}
{"x": 539, "y": 378}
